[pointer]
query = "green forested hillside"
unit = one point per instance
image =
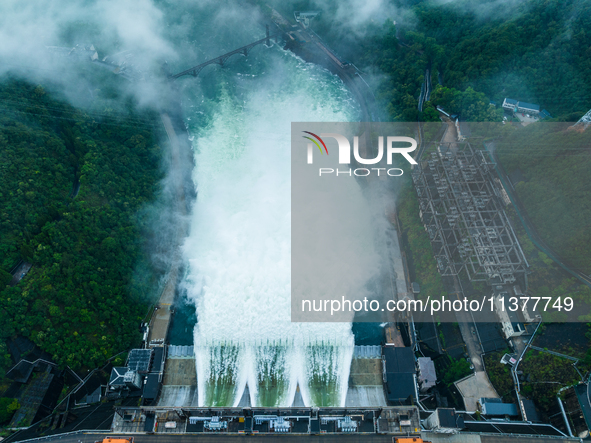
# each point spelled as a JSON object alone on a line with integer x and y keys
{"x": 83, "y": 299}
{"x": 28, "y": 158}
{"x": 537, "y": 51}
{"x": 550, "y": 167}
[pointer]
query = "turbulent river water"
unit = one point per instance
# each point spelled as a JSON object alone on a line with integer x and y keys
{"x": 238, "y": 249}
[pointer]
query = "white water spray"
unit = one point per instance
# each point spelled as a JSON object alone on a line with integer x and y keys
{"x": 239, "y": 248}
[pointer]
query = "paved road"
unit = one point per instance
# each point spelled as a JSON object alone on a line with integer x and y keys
{"x": 425, "y": 90}
{"x": 466, "y": 324}
{"x": 217, "y": 438}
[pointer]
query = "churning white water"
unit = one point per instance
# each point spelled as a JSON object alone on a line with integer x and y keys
{"x": 239, "y": 245}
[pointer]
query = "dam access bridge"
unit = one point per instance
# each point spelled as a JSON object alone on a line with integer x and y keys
{"x": 221, "y": 60}
{"x": 305, "y": 43}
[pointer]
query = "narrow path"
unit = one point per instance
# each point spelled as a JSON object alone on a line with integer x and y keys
{"x": 466, "y": 323}
{"x": 162, "y": 316}
{"x": 558, "y": 354}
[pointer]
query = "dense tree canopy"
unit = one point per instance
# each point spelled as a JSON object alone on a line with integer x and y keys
{"x": 471, "y": 105}
{"x": 83, "y": 299}
{"x": 537, "y": 51}
{"x": 7, "y": 408}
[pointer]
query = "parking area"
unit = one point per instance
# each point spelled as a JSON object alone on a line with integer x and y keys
{"x": 526, "y": 119}
{"x": 474, "y": 387}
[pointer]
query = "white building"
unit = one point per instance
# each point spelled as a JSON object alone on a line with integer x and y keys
{"x": 511, "y": 325}
{"x": 517, "y": 106}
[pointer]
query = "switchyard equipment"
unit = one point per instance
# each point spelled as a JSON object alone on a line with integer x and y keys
{"x": 462, "y": 211}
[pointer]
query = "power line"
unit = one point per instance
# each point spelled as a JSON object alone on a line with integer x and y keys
{"x": 73, "y": 110}
{"x": 31, "y": 67}
{"x": 79, "y": 120}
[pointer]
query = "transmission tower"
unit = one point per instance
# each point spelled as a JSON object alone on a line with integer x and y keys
{"x": 584, "y": 121}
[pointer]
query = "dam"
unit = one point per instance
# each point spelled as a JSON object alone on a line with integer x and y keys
{"x": 236, "y": 255}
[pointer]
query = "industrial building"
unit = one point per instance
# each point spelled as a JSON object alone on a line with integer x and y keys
{"x": 519, "y": 106}
{"x": 140, "y": 377}
{"x": 511, "y": 323}
{"x": 399, "y": 375}
{"x": 445, "y": 421}
{"x": 496, "y": 407}
{"x": 310, "y": 421}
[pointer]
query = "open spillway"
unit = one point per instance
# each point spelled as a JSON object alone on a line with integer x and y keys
{"x": 239, "y": 246}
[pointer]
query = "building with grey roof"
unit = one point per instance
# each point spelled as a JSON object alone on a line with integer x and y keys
{"x": 427, "y": 375}
{"x": 496, "y": 407}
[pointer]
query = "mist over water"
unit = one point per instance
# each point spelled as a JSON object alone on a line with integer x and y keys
{"x": 239, "y": 246}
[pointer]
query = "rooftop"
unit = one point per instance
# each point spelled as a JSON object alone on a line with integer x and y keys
{"x": 494, "y": 406}
{"x": 151, "y": 386}
{"x": 399, "y": 360}
{"x": 158, "y": 359}
{"x": 511, "y": 427}
{"x": 448, "y": 418}
{"x": 118, "y": 376}
{"x": 399, "y": 387}
{"x": 545, "y": 114}
{"x": 427, "y": 371}
{"x": 530, "y": 410}
{"x": 531, "y": 106}
{"x": 139, "y": 360}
